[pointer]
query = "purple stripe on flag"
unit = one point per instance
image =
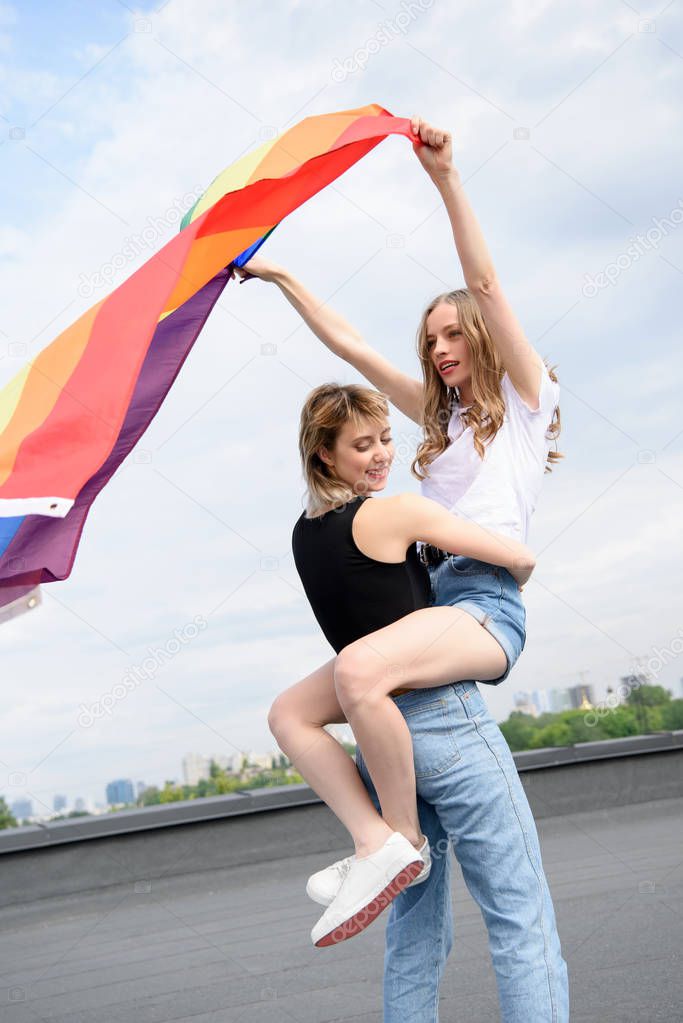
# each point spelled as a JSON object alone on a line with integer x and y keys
{"x": 43, "y": 548}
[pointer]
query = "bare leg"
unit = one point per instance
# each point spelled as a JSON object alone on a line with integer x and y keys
{"x": 296, "y": 720}
{"x": 429, "y": 647}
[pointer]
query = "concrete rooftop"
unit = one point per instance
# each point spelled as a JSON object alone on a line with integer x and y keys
{"x": 150, "y": 927}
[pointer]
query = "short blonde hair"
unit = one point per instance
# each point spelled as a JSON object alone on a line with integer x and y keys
{"x": 327, "y": 409}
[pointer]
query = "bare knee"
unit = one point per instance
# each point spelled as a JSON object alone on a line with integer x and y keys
{"x": 280, "y": 717}
{"x": 355, "y": 675}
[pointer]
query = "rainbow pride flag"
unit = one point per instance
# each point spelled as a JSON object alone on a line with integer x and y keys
{"x": 71, "y": 415}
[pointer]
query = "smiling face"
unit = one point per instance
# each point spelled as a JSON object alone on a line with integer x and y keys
{"x": 362, "y": 455}
{"x": 448, "y": 350}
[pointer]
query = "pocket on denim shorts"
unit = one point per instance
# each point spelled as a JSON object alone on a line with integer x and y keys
{"x": 460, "y": 565}
{"x": 434, "y": 747}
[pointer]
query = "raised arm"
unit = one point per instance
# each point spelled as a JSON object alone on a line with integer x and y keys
{"x": 521, "y": 360}
{"x": 344, "y": 340}
{"x": 420, "y": 518}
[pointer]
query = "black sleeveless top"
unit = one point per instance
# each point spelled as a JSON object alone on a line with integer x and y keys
{"x": 350, "y": 593}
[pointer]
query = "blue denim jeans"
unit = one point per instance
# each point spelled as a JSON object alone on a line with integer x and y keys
{"x": 470, "y": 799}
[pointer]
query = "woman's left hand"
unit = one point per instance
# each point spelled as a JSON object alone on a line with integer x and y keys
{"x": 434, "y": 151}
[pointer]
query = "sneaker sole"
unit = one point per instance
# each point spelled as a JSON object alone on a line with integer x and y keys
{"x": 419, "y": 879}
{"x": 365, "y": 916}
{"x": 323, "y": 900}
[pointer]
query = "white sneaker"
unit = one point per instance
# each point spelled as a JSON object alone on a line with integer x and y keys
{"x": 324, "y": 885}
{"x": 371, "y": 883}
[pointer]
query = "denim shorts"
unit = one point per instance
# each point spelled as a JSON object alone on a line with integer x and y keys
{"x": 490, "y": 594}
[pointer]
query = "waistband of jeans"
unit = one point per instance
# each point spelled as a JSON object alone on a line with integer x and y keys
{"x": 427, "y": 692}
{"x": 463, "y": 687}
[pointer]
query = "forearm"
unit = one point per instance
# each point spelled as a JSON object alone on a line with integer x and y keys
{"x": 475, "y": 541}
{"x": 332, "y": 329}
{"x": 476, "y": 262}
{"x": 426, "y": 520}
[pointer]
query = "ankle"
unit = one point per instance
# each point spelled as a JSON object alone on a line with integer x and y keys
{"x": 414, "y": 835}
{"x": 371, "y": 842}
{"x": 415, "y": 838}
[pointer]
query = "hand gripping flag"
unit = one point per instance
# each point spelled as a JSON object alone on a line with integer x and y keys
{"x": 72, "y": 414}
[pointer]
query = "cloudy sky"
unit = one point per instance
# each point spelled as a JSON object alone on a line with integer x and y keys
{"x": 567, "y": 124}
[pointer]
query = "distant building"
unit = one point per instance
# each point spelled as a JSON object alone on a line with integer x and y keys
{"x": 541, "y": 700}
{"x": 262, "y": 760}
{"x": 140, "y": 788}
{"x": 80, "y": 804}
{"x": 232, "y": 764}
{"x": 585, "y": 702}
{"x": 523, "y": 703}
{"x": 582, "y": 697}
{"x": 197, "y": 766}
{"x": 560, "y": 700}
{"x": 120, "y": 791}
{"x": 22, "y": 808}
{"x": 59, "y": 803}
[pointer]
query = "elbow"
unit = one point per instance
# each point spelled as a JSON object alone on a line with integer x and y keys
{"x": 484, "y": 285}
{"x": 524, "y": 559}
{"x": 527, "y": 562}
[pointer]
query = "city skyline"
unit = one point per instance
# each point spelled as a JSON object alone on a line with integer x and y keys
{"x": 194, "y": 765}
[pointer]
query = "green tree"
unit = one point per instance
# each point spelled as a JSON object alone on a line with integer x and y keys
{"x": 672, "y": 715}
{"x": 619, "y": 723}
{"x": 7, "y": 818}
{"x": 150, "y": 797}
{"x": 519, "y": 730}
{"x": 648, "y": 696}
{"x": 647, "y": 709}
{"x": 556, "y": 734}
{"x": 578, "y": 729}
{"x": 171, "y": 793}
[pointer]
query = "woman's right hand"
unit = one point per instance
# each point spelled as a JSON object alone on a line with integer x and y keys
{"x": 257, "y": 267}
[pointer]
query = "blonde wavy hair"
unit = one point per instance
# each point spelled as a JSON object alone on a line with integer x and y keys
{"x": 485, "y": 415}
{"x": 326, "y": 411}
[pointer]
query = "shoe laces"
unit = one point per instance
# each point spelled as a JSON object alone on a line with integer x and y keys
{"x": 343, "y": 866}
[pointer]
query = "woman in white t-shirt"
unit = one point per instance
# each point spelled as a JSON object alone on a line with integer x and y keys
{"x": 488, "y": 406}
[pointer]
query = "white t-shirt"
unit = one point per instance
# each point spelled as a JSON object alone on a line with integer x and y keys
{"x": 499, "y": 491}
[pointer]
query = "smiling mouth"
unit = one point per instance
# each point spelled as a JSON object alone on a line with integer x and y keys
{"x": 446, "y": 367}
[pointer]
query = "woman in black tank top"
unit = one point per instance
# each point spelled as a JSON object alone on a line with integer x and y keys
{"x": 350, "y": 593}
{"x": 370, "y": 593}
